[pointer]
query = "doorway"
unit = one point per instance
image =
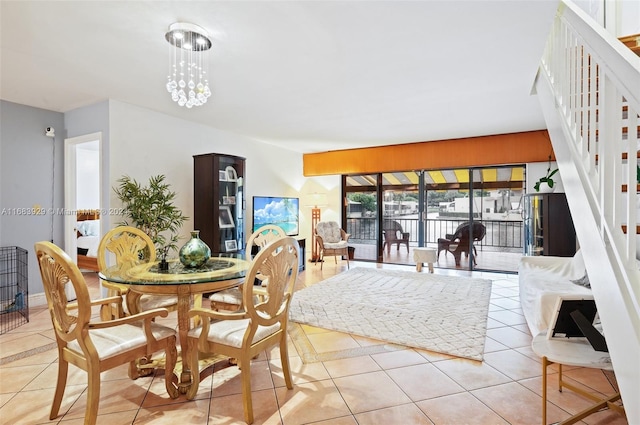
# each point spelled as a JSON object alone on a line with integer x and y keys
{"x": 82, "y": 189}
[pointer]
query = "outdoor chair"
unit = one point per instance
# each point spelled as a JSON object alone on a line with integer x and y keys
{"x": 458, "y": 242}
{"x": 261, "y": 324}
{"x": 231, "y": 299}
{"x": 96, "y": 346}
{"x": 332, "y": 240}
{"x": 393, "y": 234}
{"x": 130, "y": 247}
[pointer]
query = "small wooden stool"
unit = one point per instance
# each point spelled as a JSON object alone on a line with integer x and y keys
{"x": 424, "y": 255}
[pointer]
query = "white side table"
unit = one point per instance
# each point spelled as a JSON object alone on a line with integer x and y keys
{"x": 424, "y": 255}
{"x": 573, "y": 352}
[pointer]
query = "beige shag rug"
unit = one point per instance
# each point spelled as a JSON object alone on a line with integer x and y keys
{"x": 445, "y": 314}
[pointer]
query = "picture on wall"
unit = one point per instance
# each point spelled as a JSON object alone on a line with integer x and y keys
{"x": 222, "y": 176}
{"x": 231, "y": 245}
{"x": 225, "y": 219}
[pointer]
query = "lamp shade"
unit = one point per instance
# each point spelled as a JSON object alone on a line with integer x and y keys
{"x": 316, "y": 200}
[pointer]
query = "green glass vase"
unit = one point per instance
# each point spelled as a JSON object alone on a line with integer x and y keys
{"x": 195, "y": 252}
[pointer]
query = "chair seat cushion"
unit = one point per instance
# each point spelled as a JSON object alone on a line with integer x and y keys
{"x": 231, "y": 332}
{"x": 336, "y": 245}
{"x": 231, "y": 296}
{"x": 228, "y": 296}
{"x": 113, "y": 341}
{"x": 149, "y": 302}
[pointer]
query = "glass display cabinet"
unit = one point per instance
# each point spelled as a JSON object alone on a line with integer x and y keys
{"x": 548, "y": 227}
{"x": 218, "y": 201}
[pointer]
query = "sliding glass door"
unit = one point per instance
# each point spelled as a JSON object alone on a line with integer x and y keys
{"x": 361, "y": 212}
{"x": 474, "y": 217}
{"x": 471, "y": 216}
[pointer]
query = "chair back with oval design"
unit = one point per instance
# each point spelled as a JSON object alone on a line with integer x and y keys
{"x": 262, "y": 237}
{"x": 96, "y": 346}
{"x": 259, "y": 325}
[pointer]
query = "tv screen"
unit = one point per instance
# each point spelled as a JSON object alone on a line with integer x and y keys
{"x": 281, "y": 211}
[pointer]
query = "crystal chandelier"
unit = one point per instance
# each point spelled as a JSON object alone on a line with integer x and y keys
{"x": 187, "y": 80}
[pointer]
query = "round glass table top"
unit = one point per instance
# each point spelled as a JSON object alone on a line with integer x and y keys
{"x": 223, "y": 267}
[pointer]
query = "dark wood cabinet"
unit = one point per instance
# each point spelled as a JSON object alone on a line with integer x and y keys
{"x": 548, "y": 227}
{"x": 218, "y": 201}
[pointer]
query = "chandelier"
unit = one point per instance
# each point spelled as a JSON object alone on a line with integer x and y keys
{"x": 187, "y": 80}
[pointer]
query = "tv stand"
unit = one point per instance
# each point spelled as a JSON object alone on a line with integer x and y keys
{"x": 301, "y": 260}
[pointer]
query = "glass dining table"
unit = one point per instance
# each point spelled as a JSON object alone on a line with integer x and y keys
{"x": 219, "y": 273}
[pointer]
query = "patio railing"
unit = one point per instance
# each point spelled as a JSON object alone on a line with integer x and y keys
{"x": 500, "y": 234}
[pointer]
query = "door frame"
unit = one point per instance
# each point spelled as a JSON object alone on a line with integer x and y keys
{"x": 70, "y": 188}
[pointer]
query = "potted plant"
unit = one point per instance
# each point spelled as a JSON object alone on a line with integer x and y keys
{"x": 546, "y": 183}
{"x": 151, "y": 209}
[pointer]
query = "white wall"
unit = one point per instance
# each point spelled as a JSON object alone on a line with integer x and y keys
{"x": 144, "y": 143}
{"x": 88, "y": 178}
{"x": 536, "y": 170}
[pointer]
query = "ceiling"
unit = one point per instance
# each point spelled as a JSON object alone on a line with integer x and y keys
{"x": 310, "y": 76}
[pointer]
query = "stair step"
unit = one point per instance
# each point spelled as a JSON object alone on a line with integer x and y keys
{"x": 632, "y": 42}
{"x": 624, "y": 229}
{"x": 625, "y": 156}
{"x": 625, "y": 188}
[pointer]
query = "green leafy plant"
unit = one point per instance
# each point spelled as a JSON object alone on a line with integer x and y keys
{"x": 547, "y": 178}
{"x": 151, "y": 209}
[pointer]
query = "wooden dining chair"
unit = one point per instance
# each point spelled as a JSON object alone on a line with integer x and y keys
{"x": 231, "y": 299}
{"x": 96, "y": 346}
{"x": 261, "y": 324}
{"x": 130, "y": 247}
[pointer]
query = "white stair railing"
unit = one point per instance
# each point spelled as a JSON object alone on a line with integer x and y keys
{"x": 589, "y": 89}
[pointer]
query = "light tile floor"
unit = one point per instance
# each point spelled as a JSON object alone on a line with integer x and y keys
{"x": 399, "y": 387}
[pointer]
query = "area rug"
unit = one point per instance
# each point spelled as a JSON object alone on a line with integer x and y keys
{"x": 445, "y": 314}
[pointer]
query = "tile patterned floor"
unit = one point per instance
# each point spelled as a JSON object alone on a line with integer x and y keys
{"x": 397, "y": 387}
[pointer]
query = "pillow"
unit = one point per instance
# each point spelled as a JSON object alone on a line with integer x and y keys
{"x": 89, "y": 227}
{"x": 583, "y": 281}
{"x": 81, "y": 227}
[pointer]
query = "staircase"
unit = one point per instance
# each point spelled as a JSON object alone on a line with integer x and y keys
{"x": 632, "y": 42}
{"x": 588, "y": 85}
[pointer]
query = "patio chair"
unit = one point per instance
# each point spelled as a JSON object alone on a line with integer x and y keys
{"x": 393, "y": 234}
{"x": 458, "y": 242}
{"x": 92, "y": 345}
{"x": 332, "y": 240}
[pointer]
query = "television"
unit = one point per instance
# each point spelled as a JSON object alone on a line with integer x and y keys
{"x": 282, "y": 211}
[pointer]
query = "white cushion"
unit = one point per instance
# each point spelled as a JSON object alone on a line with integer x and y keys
{"x": 228, "y": 296}
{"x": 329, "y": 231}
{"x": 231, "y": 332}
{"x": 149, "y": 302}
{"x": 336, "y": 245}
{"x": 113, "y": 341}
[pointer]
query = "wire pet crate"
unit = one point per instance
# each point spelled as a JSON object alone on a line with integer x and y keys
{"x": 14, "y": 290}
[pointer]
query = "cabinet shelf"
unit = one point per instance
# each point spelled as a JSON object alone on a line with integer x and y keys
{"x": 218, "y": 204}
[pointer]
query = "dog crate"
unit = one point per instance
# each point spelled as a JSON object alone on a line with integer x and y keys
{"x": 14, "y": 290}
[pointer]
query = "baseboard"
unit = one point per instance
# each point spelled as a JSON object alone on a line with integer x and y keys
{"x": 37, "y": 299}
